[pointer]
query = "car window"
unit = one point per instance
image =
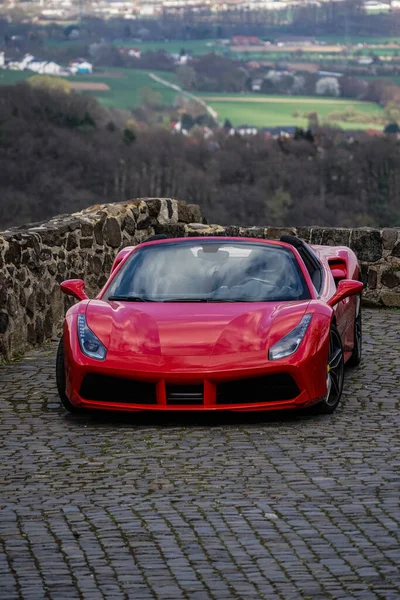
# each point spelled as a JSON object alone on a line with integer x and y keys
{"x": 210, "y": 271}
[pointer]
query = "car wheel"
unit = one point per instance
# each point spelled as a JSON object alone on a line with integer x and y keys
{"x": 335, "y": 375}
{"x": 60, "y": 379}
{"x": 355, "y": 357}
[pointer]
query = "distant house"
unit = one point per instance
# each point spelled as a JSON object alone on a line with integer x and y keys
{"x": 177, "y": 128}
{"x": 130, "y": 51}
{"x": 365, "y": 60}
{"x": 42, "y": 67}
{"x": 256, "y": 84}
{"x": 244, "y": 130}
{"x": 80, "y": 66}
{"x": 181, "y": 59}
{"x": 278, "y": 132}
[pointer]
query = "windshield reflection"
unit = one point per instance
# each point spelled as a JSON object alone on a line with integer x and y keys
{"x": 209, "y": 271}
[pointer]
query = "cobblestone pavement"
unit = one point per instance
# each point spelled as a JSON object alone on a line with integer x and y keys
{"x": 138, "y": 507}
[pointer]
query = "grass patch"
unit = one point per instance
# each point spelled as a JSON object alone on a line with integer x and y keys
{"x": 125, "y": 90}
{"x": 285, "y": 110}
{"x": 357, "y": 39}
{"x": 195, "y": 46}
{"x": 12, "y": 77}
{"x": 124, "y": 84}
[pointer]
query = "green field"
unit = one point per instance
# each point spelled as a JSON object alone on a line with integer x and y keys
{"x": 198, "y": 47}
{"x": 278, "y": 110}
{"x": 392, "y": 78}
{"x": 125, "y": 90}
{"x": 356, "y": 39}
{"x": 195, "y": 46}
{"x": 252, "y": 109}
{"x": 12, "y": 77}
{"x": 125, "y": 85}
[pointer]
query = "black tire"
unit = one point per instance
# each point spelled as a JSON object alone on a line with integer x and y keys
{"x": 355, "y": 357}
{"x": 335, "y": 376}
{"x": 60, "y": 379}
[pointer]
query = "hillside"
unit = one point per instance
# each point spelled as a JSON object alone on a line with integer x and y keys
{"x": 61, "y": 152}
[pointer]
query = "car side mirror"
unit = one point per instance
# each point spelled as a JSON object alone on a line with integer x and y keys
{"x": 346, "y": 288}
{"x": 75, "y": 288}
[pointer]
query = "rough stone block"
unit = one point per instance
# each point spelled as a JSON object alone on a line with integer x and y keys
{"x": 389, "y": 238}
{"x": 391, "y": 277}
{"x": 86, "y": 242}
{"x": 13, "y": 254}
{"x": 316, "y": 235}
{"x": 390, "y": 299}
{"x": 335, "y": 237}
{"x": 112, "y": 233}
{"x": 188, "y": 213}
{"x": 153, "y": 206}
{"x": 252, "y": 232}
{"x": 4, "y": 322}
{"x": 396, "y": 250}
{"x": 129, "y": 225}
{"x": 367, "y": 244}
{"x": 372, "y": 279}
{"x": 72, "y": 242}
{"x": 274, "y": 233}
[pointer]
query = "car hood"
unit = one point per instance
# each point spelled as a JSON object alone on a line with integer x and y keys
{"x": 191, "y": 329}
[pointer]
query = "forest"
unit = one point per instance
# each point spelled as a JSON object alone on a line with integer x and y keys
{"x": 61, "y": 152}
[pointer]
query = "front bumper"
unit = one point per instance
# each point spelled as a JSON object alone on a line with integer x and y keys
{"x": 195, "y": 384}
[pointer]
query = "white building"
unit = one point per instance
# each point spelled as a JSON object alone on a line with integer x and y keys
{"x": 81, "y": 67}
{"x": 44, "y": 67}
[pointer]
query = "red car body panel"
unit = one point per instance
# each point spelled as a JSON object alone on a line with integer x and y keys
{"x": 210, "y": 344}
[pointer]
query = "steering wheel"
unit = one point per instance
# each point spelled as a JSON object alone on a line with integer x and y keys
{"x": 263, "y": 281}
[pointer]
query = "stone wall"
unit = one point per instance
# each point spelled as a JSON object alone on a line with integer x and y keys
{"x": 35, "y": 258}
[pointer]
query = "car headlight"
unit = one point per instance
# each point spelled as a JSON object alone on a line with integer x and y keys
{"x": 90, "y": 344}
{"x": 291, "y": 341}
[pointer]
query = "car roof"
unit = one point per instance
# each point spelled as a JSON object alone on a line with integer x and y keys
{"x": 215, "y": 238}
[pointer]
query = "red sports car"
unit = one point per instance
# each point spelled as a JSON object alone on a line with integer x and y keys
{"x": 214, "y": 323}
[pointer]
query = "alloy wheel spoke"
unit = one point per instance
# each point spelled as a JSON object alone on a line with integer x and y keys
{"x": 335, "y": 359}
{"x": 335, "y": 385}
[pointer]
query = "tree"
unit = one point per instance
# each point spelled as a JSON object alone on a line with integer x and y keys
{"x": 187, "y": 122}
{"x": 187, "y": 77}
{"x": 277, "y": 207}
{"x": 392, "y": 112}
{"x": 313, "y": 122}
{"x": 392, "y": 128}
{"x": 150, "y": 97}
{"x": 328, "y": 86}
{"x": 194, "y": 108}
{"x": 50, "y": 83}
{"x": 129, "y": 136}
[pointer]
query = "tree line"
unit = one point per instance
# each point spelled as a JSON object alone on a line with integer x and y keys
{"x": 61, "y": 152}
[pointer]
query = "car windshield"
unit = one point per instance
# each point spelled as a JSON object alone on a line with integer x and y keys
{"x": 209, "y": 271}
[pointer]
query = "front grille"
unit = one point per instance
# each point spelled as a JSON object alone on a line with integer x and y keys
{"x": 268, "y": 388}
{"x": 115, "y": 389}
{"x": 184, "y": 394}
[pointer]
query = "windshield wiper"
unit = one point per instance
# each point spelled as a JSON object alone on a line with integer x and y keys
{"x": 186, "y": 300}
{"x": 211, "y": 300}
{"x": 233, "y": 300}
{"x": 129, "y": 298}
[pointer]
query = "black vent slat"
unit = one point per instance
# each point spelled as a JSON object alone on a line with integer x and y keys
{"x": 185, "y": 394}
{"x": 104, "y": 388}
{"x": 268, "y": 388}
